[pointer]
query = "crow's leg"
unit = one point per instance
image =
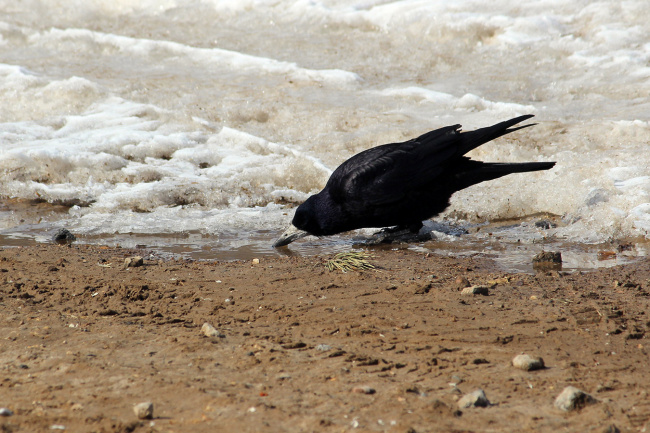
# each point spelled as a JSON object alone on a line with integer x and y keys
{"x": 403, "y": 233}
{"x": 402, "y": 229}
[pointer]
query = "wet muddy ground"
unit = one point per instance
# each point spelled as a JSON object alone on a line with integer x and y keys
{"x": 300, "y": 348}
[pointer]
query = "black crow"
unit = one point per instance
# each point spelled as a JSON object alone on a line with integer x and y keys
{"x": 402, "y": 184}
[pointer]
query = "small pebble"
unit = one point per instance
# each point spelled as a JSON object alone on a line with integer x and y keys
{"x": 461, "y": 283}
{"x": 606, "y": 255}
{"x": 297, "y": 345}
{"x": 63, "y": 237}
{"x": 5, "y": 412}
{"x": 571, "y": 398}
{"x": 323, "y": 347}
{"x": 455, "y": 391}
{"x": 545, "y": 224}
{"x": 455, "y": 380}
{"x": 256, "y": 261}
{"x": 474, "y": 399}
{"x": 133, "y": 262}
{"x": 414, "y": 389}
{"x": 143, "y": 410}
{"x": 475, "y": 290}
{"x": 210, "y": 331}
{"x": 548, "y": 257}
{"x": 57, "y": 427}
{"x": 363, "y": 390}
{"x": 527, "y": 362}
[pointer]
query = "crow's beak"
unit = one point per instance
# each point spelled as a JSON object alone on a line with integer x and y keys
{"x": 290, "y": 235}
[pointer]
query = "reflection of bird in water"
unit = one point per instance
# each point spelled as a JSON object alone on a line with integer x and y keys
{"x": 402, "y": 184}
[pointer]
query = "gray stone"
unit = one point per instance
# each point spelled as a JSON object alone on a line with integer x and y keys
{"x": 283, "y": 376}
{"x": 545, "y": 224}
{"x": 455, "y": 380}
{"x": 527, "y": 362}
{"x": 63, "y": 237}
{"x": 461, "y": 283}
{"x": 474, "y": 399}
{"x": 571, "y": 398}
{"x": 548, "y": 257}
{"x": 5, "y": 412}
{"x": 363, "y": 390}
{"x": 210, "y": 331}
{"x": 143, "y": 410}
{"x": 475, "y": 290}
{"x": 133, "y": 262}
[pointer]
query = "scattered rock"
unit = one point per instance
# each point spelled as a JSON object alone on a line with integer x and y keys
{"x": 455, "y": 391}
{"x": 475, "y": 290}
{"x": 610, "y": 385}
{"x": 625, "y": 247}
{"x": 545, "y": 224}
{"x": 210, "y": 331}
{"x": 77, "y": 406}
{"x": 133, "y": 262}
{"x": 461, "y": 283}
{"x": 283, "y": 376}
{"x": 635, "y": 335}
{"x": 455, "y": 380}
{"x": 363, "y": 390}
{"x": 527, "y": 362}
{"x": 414, "y": 389}
{"x": 109, "y": 312}
{"x": 5, "y": 412}
{"x": 63, "y": 237}
{"x": 611, "y": 429}
{"x": 502, "y": 280}
{"x": 423, "y": 289}
{"x": 548, "y": 257}
{"x": 298, "y": 345}
{"x": 323, "y": 347}
{"x": 439, "y": 407}
{"x": 606, "y": 255}
{"x": 255, "y": 261}
{"x": 474, "y": 399}
{"x": 571, "y": 398}
{"x": 143, "y": 410}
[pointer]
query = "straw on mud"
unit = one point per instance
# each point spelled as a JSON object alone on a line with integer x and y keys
{"x": 353, "y": 260}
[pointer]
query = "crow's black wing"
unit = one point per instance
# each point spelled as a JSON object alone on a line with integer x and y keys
{"x": 386, "y": 174}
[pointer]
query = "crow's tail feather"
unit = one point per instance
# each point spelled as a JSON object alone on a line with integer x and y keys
{"x": 504, "y": 168}
{"x": 473, "y": 172}
{"x": 473, "y": 139}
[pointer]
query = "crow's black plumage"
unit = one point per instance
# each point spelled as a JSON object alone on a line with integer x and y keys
{"x": 402, "y": 184}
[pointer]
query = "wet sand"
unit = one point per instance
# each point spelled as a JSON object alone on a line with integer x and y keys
{"x": 303, "y": 348}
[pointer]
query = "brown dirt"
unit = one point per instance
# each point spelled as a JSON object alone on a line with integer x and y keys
{"x": 84, "y": 339}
